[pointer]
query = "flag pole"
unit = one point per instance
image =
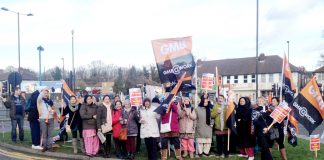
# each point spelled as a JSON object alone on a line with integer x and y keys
{"x": 282, "y": 74}
{"x": 228, "y": 137}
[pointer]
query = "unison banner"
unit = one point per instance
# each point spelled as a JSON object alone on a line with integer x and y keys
{"x": 173, "y": 58}
{"x": 308, "y": 106}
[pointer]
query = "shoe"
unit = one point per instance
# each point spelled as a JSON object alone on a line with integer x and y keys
{"x": 50, "y": 150}
{"x": 185, "y": 154}
{"x": 242, "y": 155}
{"x": 37, "y": 147}
{"x": 44, "y": 149}
{"x": 251, "y": 158}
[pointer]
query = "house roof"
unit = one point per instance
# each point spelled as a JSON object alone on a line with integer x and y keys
{"x": 243, "y": 66}
{"x": 319, "y": 70}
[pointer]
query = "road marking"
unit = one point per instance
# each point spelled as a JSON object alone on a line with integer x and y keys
{"x": 20, "y": 155}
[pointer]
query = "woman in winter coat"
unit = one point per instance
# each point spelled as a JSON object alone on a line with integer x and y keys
{"x": 204, "y": 130}
{"x": 173, "y": 135}
{"x": 260, "y": 130}
{"x": 187, "y": 128}
{"x": 104, "y": 119}
{"x": 280, "y": 127}
{"x": 75, "y": 122}
{"x": 117, "y": 126}
{"x": 243, "y": 118}
{"x": 130, "y": 118}
{"x": 149, "y": 128}
{"x": 88, "y": 114}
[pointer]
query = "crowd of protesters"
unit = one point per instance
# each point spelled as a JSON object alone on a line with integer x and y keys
{"x": 190, "y": 134}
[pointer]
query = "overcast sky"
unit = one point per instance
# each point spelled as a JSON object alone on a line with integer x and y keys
{"x": 120, "y": 32}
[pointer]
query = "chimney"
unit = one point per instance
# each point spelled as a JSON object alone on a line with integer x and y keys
{"x": 261, "y": 57}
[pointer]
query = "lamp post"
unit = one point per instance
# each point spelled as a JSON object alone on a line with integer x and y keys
{"x": 40, "y": 49}
{"x": 73, "y": 69}
{"x": 288, "y": 50}
{"x": 257, "y": 50}
{"x": 63, "y": 77}
{"x": 18, "y": 14}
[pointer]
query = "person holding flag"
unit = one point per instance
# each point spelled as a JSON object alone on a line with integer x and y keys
{"x": 279, "y": 127}
{"x": 219, "y": 114}
{"x": 243, "y": 117}
{"x": 260, "y": 128}
{"x": 74, "y": 122}
{"x": 46, "y": 111}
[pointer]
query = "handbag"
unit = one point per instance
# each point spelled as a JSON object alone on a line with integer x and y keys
{"x": 166, "y": 127}
{"x": 273, "y": 133}
{"x": 123, "y": 132}
{"x": 105, "y": 128}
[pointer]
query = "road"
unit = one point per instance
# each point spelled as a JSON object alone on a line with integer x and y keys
{"x": 12, "y": 155}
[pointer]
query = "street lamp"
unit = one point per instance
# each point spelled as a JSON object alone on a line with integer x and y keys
{"x": 288, "y": 50}
{"x": 40, "y": 49}
{"x": 18, "y": 14}
{"x": 257, "y": 51}
{"x": 63, "y": 69}
{"x": 73, "y": 70}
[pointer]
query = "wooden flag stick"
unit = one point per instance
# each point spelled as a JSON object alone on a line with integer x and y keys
{"x": 273, "y": 122}
{"x": 316, "y": 154}
{"x": 175, "y": 90}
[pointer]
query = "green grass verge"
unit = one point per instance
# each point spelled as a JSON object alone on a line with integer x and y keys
{"x": 300, "y": 152}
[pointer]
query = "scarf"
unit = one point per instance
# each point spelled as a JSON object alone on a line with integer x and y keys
{"x": 73, "y": 107}
{"x": 222, "y": 117}
{"x": 109, "y": 117}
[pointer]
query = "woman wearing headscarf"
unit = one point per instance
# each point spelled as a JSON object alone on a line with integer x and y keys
{"x": 243, "y": 118}
{"x": 88, "y": 114}
{"x": 204, "y": 130}
{"x": 104, "y": 119}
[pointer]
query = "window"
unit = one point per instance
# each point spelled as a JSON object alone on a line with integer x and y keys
{"x": 253, "y": 78}
{"x": 270, "y": 78}
{"x": 263, "y": 78}
{"x": 228, "y": 79}
{"x": 235, "y": 79}
{"x": 245, "y": 79}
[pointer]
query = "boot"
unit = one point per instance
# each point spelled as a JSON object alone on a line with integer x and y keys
{"x": 192, "y": 155}
{"x": 82, "y": 145}
{"x": 185, "y": 154}
{"x": 283, "y": 154}
{"x": 107, "y": 151}
{"x": 74, "y": 145}
{"x": 178, "y": 154}
{"x": 164, "y": 154}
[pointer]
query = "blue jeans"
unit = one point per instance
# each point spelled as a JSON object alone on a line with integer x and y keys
{"x": 35, "y": 132}
{"x": 20, "y": 122}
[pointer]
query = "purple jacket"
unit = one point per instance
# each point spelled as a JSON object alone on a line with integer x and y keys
{"x": 174, "y": 119}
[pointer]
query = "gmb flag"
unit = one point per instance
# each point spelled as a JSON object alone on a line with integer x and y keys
{"x": 173, "y": 58}
{"x": 308, "y": 106}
